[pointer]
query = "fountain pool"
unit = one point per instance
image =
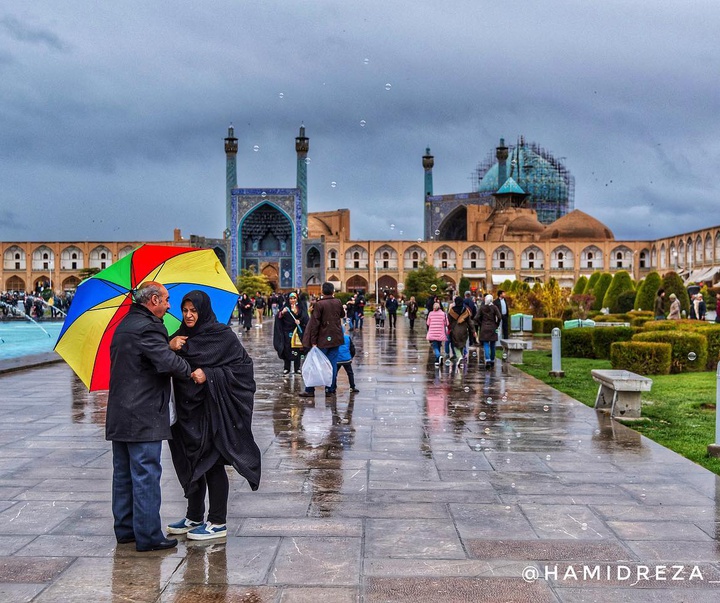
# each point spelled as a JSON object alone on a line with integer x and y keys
{"x": 19, "y": 339}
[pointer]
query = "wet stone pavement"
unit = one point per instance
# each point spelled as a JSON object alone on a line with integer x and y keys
{"x": 425, "y": 486}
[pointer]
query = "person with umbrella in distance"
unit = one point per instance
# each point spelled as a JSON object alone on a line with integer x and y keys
{"x": 138, "y": 416}
{"x": 214, "y": 418}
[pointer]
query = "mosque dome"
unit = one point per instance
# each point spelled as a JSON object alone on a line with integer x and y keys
{"x": 577, "y": 225}
{"x": 317, "y": 228}
{"x": 550, "y": 186}
{"x": 525, "y": 224}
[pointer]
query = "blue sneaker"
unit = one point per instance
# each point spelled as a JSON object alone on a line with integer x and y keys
{"x": 207, "y": 531}
{"x": 183, "y": 526}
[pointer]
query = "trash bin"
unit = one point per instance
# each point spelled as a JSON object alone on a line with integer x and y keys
{"x": 521, "y": 322}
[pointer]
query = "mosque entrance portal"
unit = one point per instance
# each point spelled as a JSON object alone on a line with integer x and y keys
{"x": 266, "y": 244}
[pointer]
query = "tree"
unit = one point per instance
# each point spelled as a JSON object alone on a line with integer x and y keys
{"x": 250, "y": 283}
{"x": 673, "y": 283}
{"x": 647, "y": 291}
{"x": 463, "y": 285}
{"x": 621, "y": 282}
{"x": 86, "y": 273}
{"x": 420, "y": 282}
{"x": 580, "y": 285}
{"x": 580, "y": 304}
{"x": 552, "y": 298}
{"x": 601, "y": 286}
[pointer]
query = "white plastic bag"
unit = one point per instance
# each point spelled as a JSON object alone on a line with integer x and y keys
{"x": 317, "y": 369}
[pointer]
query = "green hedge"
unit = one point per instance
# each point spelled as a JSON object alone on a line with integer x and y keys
{"x": 545, "y": 325}
{"x": 683, "y": 343}
{"x": 611, "y": 318}
{"x": 603, "y": 337}
{"x": 673, "y": 325}
{"x": 577, "y": 343}
{"x": 640, "y": 321}
{"x": 644, "y": 358}
{"x": 712, "y": 334}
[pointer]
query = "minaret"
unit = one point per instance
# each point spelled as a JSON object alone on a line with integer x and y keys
{"x": 501, "y": 152}
{"x": 302, "y": 146}
{"x": 428, "y": 162}
{"x": 231, "y": 147}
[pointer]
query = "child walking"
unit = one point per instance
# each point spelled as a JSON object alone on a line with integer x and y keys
{"x": 346, "y": 353}
{"x": 380, "y": 316}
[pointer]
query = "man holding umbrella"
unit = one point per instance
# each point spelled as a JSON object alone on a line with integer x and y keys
{"x": 138, "y": 415}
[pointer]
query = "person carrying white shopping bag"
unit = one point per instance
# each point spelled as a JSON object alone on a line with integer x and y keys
{"x": 324, "y": 333}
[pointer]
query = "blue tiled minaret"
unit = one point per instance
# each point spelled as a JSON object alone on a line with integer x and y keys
{"x": 501, "y": 152}
{"x": 302, "y": 146}
{"x": 231, "y": 148}
{"x": 428, "y": 162}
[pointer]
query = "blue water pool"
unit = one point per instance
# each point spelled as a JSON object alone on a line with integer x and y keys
{"x": 25, "y": 338}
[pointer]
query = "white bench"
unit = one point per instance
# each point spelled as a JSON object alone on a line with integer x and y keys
{"x": 619, "y": 392}
{"x": 513, "y": 349}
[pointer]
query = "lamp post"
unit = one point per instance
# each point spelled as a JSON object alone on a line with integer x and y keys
{"x": 377, "y": 289}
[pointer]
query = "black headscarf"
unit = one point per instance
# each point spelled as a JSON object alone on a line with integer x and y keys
{"x": 458, "y": 307}
{"x": 214, "y": 418}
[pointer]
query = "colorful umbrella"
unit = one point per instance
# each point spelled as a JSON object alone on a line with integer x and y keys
{"x": 102, "y": 301}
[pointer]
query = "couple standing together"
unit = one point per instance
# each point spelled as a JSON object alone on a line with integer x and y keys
{"x": 214, "y": 386}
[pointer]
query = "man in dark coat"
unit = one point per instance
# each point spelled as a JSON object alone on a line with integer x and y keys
{"x": 502, "y": 305}
{"x": 324, "y": 331}
{"x": 138, "y": 416}
{"x": 391, "y": 305}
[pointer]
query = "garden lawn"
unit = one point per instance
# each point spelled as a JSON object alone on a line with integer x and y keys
{"x": 680, "y": 408}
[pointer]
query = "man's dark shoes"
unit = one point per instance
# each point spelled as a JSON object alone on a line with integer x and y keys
{"x": 165, "y": 543}
{"x": 306, "y": 394}
{"x": 126, "y": 540}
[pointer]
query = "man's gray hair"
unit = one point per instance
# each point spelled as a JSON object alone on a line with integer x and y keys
{"x": 146, "y": 290}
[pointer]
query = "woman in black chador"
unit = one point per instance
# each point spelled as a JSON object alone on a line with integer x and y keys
{"x": 292, "y": 316}
{"x": 214, "y": 418}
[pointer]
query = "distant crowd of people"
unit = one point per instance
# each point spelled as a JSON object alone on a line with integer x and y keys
{"x": 35, "y": 305}
{"x": 697, "y": 310}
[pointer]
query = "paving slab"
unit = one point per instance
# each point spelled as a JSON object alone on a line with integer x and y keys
{"x": 427, "y": 485}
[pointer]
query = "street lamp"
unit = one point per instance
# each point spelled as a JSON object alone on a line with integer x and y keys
{"x": 377, "y": 288}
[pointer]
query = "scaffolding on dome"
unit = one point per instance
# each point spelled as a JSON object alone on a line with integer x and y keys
{"x": 544, "y": 177}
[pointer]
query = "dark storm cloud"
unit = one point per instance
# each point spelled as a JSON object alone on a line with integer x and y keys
{"x": 112, "y": 116}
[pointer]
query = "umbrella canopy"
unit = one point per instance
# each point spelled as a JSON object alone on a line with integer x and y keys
{"x": 102, "y": 301}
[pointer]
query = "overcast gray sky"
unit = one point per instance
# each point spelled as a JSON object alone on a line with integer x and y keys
{"x": 112, "y": 115}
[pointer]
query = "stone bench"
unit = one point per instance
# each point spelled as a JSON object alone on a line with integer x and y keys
{"x": 513, "y": 349}
{"x": 619, "y": 392}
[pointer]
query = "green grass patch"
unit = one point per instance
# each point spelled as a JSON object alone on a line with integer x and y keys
{"x": 680, "y": 409}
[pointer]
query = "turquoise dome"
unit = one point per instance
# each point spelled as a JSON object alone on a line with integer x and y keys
{"x": 551, "y": 188}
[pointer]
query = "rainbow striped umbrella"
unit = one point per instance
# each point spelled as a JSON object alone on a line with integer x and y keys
{"x": 103, "y": 300}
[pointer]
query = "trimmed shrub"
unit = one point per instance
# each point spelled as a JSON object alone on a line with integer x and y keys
{"x": 577, "y": 343}
{"x": 647, "y": 291}
{"x": 546, "y": 325}
{"x": 611, "y": 318}
{"x": 644, "y": 358}
{"x": 603, "y": 337}
{"x": 599, "y": 290}
{"x": 621, "y": 282}
{"x": 580, "y": 285}
{"x": 672, "y": 325}
{"x": 592, "y": 281}
{"x": 673, "y": 283}
{"x": 626, "y": 301}
{"x": 712, "y": 334}
{"x": 683, "y": 343}
{"x": 639, "y": 321}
